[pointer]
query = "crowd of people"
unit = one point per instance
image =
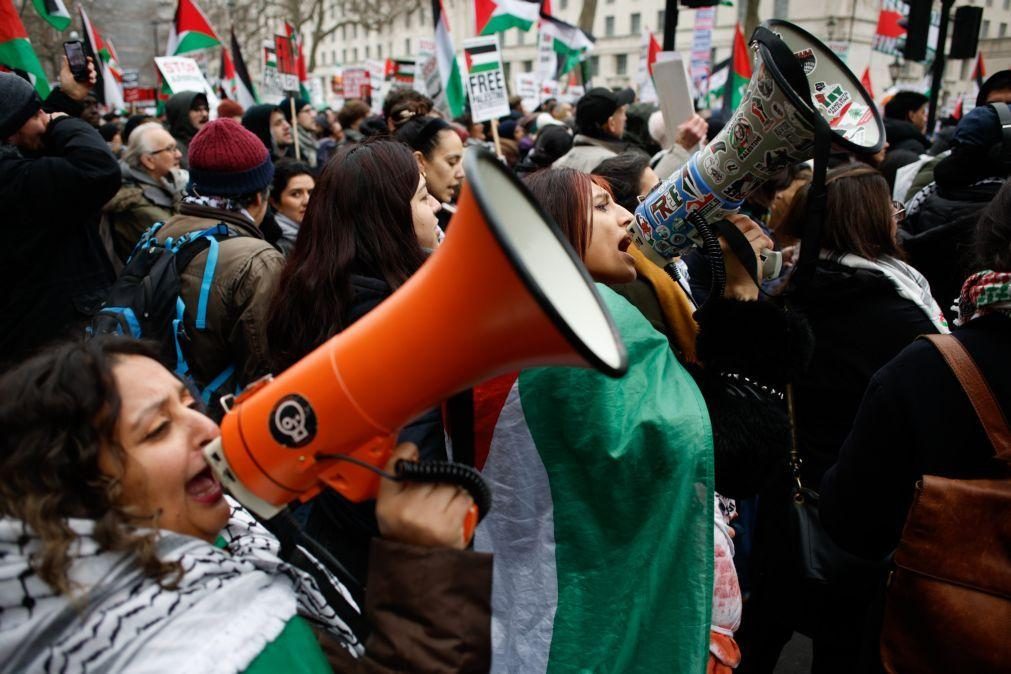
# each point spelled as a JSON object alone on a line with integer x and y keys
{"x": 120, "y": 549}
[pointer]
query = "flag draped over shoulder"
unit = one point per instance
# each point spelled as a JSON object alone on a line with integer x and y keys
{"x": 16, "y": 51}
{"x": 445, "y": 55}
{"x": 191, "y": 30}
{"x": 601, "y": 523}
{"x": 55, "y": 13}
{"x": 570, "y": 43}
{"x": 495, "y": 16}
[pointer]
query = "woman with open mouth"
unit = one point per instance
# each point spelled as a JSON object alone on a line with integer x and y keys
{"x": 119, "y": 550}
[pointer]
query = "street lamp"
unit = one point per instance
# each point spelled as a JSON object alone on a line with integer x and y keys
{"x": 894, "y": 69}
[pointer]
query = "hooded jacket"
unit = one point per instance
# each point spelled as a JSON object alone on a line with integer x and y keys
{"x": 587, "y": 152}
{"x": 257, "y": 120}
{"x": 54, "y": 271}
{"x": 177, "y": 115}
{"x": 903, "y": 135}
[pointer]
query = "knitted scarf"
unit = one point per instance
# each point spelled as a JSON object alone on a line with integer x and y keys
{"x": 983, "y": 293}
{"x": 229, "y": 605}
{"x": 909, "y": 283}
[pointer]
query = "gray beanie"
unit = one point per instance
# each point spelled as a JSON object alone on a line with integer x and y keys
{"x": 18, "y": 102}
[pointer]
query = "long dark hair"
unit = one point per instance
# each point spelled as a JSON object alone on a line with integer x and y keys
{"x": 624, "y": 173}
{"x": 422, "y": 133}
{"x": 358, "y": 221}
{"x": 57, "y": 410}
{"x": 858, "y": 213}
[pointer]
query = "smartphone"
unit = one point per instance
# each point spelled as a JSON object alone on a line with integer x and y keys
{"x": 74, "y": 49}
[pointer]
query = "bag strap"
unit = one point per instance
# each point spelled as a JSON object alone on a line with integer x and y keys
{"x": 978, "y": 391}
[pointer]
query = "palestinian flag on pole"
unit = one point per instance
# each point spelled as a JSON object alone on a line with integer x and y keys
{"x": 481, "y": 58}
{"x": 740, "y": 71}
{"x": 109, "y": 86}
{"x": 977, "y": 77}
{"x": 236, "y": 82}
{"x": 714, "y": 88}
{"x": 865, "y": 80}
{"x": 495, "y": 16}
{"x": 16, "y": 53}
{"x": 602, "y": 515}
{"x": 445, "y": 55}
{"x": 649, "y": 50}
{"x": 54, "y": 12}
{"x": 570, "y": 43}
{"x": 300, "y": 69}
{"x": 191, "y": 31}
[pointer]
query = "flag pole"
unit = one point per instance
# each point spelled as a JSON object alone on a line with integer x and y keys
{"x": 294, "y": 129}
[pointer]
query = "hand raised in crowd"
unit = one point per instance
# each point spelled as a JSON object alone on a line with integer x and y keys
{"x": 691, "y": 132}
{"x": 71, "y": 87}
{"x": 740, "y": 285}
{"x": 428, "y": 515}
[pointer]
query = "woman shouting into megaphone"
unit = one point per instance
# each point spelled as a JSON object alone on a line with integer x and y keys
{"x": 121, "y": 553}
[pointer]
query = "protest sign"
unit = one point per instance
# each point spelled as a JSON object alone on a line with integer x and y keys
{"x": 272, "y": 87}
{"x": 486, "y": 83}
{"x": 526, "y": 88}
{"x": 357, "y": 83}
{"x": 183, "y": 74}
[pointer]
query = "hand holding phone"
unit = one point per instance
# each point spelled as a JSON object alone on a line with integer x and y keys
{"x": 76, "y": 58}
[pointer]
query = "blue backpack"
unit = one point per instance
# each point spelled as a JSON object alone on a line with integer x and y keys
{"x": 145, "y": 301}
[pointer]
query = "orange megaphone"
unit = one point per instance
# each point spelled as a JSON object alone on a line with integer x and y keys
{"x": 504, "y": 292}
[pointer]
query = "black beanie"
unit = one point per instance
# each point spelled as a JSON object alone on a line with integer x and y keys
{"x": 18, "y": 102}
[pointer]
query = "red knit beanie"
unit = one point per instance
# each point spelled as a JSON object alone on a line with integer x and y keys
{"x": 227, "y": 160}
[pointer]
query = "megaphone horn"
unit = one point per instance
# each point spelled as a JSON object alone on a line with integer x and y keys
{"x": 505, "y": 291}
{"x": 796, "y": 78}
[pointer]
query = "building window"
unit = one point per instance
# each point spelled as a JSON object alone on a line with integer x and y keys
{"x": 594, "y": 66}
{"x": 333, "y": 56}
{"x": 621, "y": 64}
{"x": 354, "y": 31}
{"x": 521, "y": 37}
{"x": 608, "y": 26}
{"x": 367, "y": 50}
{"x": 344, "y": 56}
{"x": 379, "y": 51}
{"x": 563, "y": 4}
{"x": 506, "y": 69}
{"x": 1002, "y": 30}
{"x": 636, "y": 26}
{"x": 407, "y": 20}
{"x": 407, "y": 45}
{"x": 985, "y": 33}
{"x": 1007, "y": 5}
{"x": 528, "y": 66}
{"x": 660, "y": 18}
{"x": 344, "y": 32}
{"x": 354, "y": 54}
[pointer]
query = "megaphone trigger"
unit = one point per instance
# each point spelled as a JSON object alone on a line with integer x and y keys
{"x": 772, "y": 264}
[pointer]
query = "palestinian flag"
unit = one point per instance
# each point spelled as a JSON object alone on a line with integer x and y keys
{"x": 235, "y": 80}
{"x": 740, "y": 71}
{"x": 300, "y": 69}
{"x": 449, "y": 70}
{"x": 495, "y": 16}
{"x": 481, "y": 58}
{"x": 956, "y": 113}
{"x": 570, "y": 43}
{"x": 649, "y": 50}
{"x": 865, "y": 80}
{"x": 16, "y": 53}
{"x": 191, "y": 31}
{"x": 602, "y": 515}
{"x": 109, "y": 87}
{"x": 54, "y": 12}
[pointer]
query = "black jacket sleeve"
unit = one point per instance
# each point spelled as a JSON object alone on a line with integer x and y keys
{"x": 59, "y": 101}
{"x": 866, "y": 495}
{"x": 77, "y": 175}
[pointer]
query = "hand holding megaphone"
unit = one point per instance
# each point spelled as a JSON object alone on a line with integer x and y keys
{"x": 427, "y": 515}
{"x": 740, "y": 284}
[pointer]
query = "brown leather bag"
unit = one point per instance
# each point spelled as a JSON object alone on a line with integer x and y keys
{"x": 948, "y": 606}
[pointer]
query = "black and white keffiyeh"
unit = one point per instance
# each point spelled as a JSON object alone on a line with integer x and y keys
{"x": 229, "y": 605}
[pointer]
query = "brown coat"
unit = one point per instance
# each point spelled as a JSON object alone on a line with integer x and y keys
{"x": 429, "y": 610}
{"x": 244, "y": 281}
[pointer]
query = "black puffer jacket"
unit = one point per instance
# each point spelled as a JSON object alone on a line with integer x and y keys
{"x": 939, "y": 237}
{"x": 54, "y": 271}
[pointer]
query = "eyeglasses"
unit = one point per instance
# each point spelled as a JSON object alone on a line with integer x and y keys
{"x": 900, "y": 211}
{"x": 171, "y": 148}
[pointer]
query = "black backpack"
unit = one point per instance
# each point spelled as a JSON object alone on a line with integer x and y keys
{"x": 145, "y": 301}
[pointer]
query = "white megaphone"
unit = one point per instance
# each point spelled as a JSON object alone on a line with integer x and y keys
{"x": 796, "y": 79}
